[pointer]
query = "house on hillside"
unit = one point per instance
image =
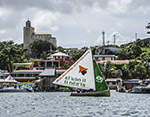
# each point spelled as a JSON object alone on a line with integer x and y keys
{"x": 104, "y": 49}
{"x": 57, "y": 60}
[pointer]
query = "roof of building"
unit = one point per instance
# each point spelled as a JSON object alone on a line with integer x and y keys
{"x": 28, "y": 71}
{"x": 9, "y": 79}
{"x": 22, "y": 63}
{"x": 113, "y": 79}
{"x": 42, "y": 33}
{"x": 105, "y": 55}
{"x": 133, "y": 81}
{"x": 59, "y": 54}
{"x": 114, "y": 61}
{"x": 48, "y": 72}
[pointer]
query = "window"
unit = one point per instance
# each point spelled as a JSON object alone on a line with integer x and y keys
{"x": 20, "y": 75}
{"x": 35, "y": 75}
{"x": 58, "y": 57}
{"x": 103, "y": 58}
{"x": 67, "y": 63}
{"x": 56, "y": 64}
{"x": 35, "y": 64}
{"x": 113, "y": 83}
{"x": 29, "y": 75}
{"x": 49, "y": 64}
{"x": 42, "y": 64}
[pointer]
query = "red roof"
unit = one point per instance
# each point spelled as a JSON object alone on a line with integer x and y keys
{"x": 113, "y": 79}
{"x": 28, "y": 71}
{"x": 115, "y": 61}
{"x": 60, "y": 70}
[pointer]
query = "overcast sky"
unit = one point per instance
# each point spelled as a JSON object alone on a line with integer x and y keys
{"x": 76, "y": 23}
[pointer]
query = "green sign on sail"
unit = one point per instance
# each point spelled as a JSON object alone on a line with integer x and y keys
{"x": 99, "y": 78}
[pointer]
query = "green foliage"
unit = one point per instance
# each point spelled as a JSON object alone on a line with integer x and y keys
{"x": 22, "y": 67}
{"x": 148, "y": 27}
{"x": 60, "y": 49}
{"x": 134, "y": 69}
{"x": 108, "y": 52}
{"x": 76, "y": 54}
{"x": 131, "y": 51}
{"x": 65, "y": 66}
{"x": 40, "y": 48}
{"x": 107, "y": 69}
{"x": 10, "y": 53}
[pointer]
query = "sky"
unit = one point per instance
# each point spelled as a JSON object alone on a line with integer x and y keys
{"x": 76, "y": 23}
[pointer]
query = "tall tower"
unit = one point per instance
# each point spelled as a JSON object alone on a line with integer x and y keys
{"x": 135, "y": 36}
{"x": 114, "y": 39}
{"x": 27, "y": 34}
{"x": 103, "y": 34}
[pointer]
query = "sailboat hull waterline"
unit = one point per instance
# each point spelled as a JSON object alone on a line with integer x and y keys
{"x": 105, "y": 93}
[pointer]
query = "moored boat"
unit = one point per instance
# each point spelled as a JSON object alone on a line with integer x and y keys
{"x": 140, "y": 90}
{"x": 12, "y": 89}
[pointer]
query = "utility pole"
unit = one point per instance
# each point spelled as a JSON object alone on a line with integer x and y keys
{"x": 107, "y": 42}
{"x": 135, "y": 36}
{"x": 103, "y": 33}
{"x": 114, "y": 39}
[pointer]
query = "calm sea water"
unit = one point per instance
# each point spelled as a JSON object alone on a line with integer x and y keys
{"x": 60, "y": 104}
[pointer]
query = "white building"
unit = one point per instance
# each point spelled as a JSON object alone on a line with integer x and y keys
{"x": 105, "y": 57}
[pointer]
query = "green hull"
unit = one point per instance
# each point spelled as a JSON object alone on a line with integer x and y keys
{"x": 105, "y": 93}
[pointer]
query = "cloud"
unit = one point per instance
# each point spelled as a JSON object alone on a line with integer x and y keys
{"x": 79, "y": 20}
{"x": 44, "y": 19}
{"x": 2, "y": 31}
{"x": 118, "y": 6}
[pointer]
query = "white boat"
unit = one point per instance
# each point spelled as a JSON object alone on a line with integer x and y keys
{"x": 12, "y": 89}
{"x": 85, "y": 75}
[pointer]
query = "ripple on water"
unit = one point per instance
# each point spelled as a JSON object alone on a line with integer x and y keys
{"x": 60, "y": 104}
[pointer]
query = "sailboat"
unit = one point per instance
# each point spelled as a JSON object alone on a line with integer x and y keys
{"x": 85, "y": 75}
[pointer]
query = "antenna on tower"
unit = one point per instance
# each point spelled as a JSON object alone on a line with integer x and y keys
{"x": 114, "y": 39}
{"x": 135, "y": 36}
{"x": 103, "y": 33}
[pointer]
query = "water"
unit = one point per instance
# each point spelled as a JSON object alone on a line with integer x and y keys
{"x": 60, "y": 104}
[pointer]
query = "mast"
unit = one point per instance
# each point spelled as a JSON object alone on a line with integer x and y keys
{"x": 93, "y": 68}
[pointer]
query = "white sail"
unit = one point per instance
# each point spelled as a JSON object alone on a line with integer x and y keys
{"x": 80, "y": 74}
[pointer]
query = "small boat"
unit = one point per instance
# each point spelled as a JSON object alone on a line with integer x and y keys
{"x": 12, "y": 89}
{"x": 140, "y": 90}
{"x": 85, "y": 75}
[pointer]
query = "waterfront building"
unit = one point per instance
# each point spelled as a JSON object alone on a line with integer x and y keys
{"x": 57, "y": 60}
{"x": 114, "y": 82}
{"x": 129, "y": 84}
{"x": 104, "y": 49}
{"x": 46, "y": 79}
{"x": 30, "y": 75}
{"x": 25, "y": 75}
{"x": 30, "y": 35}
{"x": 105, "y": 57}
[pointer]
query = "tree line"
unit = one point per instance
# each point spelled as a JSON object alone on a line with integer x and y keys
{"x": 137, "y": 52}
